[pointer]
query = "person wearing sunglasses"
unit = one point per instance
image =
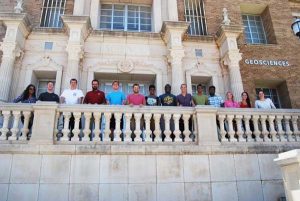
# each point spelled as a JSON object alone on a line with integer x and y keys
{"x": 28, "y": 95}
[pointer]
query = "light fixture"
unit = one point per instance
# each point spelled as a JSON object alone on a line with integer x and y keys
{"x": 296, "y": 27}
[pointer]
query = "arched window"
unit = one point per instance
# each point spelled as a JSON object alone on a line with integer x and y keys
{"x": 51, "y": 12}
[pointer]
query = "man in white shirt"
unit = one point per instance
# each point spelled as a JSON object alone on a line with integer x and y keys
{"x": 73, "y": 95}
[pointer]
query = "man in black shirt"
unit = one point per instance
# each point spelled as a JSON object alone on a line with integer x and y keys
{"x": 168, "y": 99}
{"x": 49, "y": 95}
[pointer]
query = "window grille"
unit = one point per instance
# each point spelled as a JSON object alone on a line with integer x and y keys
{"x": 254, "y": 29}
{"x": 51, "y": 12}
{"x": 195, "y": 14}
{"x": 125, "y": 17}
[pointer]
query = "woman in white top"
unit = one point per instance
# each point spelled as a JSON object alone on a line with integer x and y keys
{"x": 264, "y": 103}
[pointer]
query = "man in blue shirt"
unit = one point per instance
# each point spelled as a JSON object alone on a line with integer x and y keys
{"x": 213, "y": 99}
{"x": 116, "y": 97}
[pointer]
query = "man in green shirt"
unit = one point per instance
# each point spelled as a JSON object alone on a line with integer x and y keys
{"x": 200, "y": 98}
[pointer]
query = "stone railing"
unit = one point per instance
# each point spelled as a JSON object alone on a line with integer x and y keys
{"x": 256, "y": 125}
{"x": 123, "y": 123}
{"x": 16, "y": 121}
{"x": 94, "y": 124}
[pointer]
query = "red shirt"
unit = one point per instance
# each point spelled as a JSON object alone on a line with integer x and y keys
{"x": 243, "y": 105}
{"x": 136, "y": 99}
{"x": 95, "y": 97}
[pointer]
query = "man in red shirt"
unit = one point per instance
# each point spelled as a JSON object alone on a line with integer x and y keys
{"x": 95, "y": 96}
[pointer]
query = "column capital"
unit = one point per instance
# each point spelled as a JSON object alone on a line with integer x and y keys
{"x": 75, "y": 51}
{"x": 173, "y": 33}
{"x": 78, "y": 27}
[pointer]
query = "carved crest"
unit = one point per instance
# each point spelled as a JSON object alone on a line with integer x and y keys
{"x": 125, "y": 66}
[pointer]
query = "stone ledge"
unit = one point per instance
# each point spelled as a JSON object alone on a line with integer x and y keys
{"x": 142, "y": 149}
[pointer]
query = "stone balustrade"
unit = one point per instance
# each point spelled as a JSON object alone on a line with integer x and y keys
{"x": 16, "y": 121}
{"x": 124, "y": 123}
{"x": 257, "y": 125}
{"x": 80, "y": 124}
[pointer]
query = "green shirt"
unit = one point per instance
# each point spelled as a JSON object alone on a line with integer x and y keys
{"x": 200, "y": 100}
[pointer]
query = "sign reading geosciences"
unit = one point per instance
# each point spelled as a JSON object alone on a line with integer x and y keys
{"x": 264, "y": 62}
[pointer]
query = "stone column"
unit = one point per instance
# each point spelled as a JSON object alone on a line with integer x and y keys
{"x": 172, "y": 34}
{"x": 79, "y": 7}
{"x": 78, "y": 28}
{"x": 157, "y": 18}
{"x": 95, "y": 13}
{"x": 289, "y": 163}
{"x": 17, "y": 29}
{"x": 172, "y": 10}
{"x": 230, "y": 56}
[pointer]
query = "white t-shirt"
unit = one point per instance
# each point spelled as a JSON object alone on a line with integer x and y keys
{"x": 72, "y": 96}
{"x": 266, "y": 104}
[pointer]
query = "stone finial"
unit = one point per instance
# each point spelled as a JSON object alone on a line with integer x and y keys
{"x": 19, "y": 6}
{"x": 226, "y": 20}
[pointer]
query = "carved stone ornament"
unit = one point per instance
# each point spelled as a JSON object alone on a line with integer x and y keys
{"x": 226, "y": 20}
{"x": 125, "y": 66}
{"x": 45, "y": 61}
{"x": 19, "y": 6}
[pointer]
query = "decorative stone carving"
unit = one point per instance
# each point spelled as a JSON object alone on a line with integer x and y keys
{"x": 45, "y": 61}
{"x": 19, "y": 6}
{"x": 226, "y": 20}
{"x": 125, "y": 66}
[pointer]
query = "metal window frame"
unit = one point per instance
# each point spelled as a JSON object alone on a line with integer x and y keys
{"x": 250, "y": 30}
{"x": 49, "y": 8}
{"x": 194, "y": 12}
{"x": 125, "y": 16}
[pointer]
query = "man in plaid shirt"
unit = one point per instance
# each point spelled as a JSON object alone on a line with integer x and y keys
{"x": 213, "y": 99}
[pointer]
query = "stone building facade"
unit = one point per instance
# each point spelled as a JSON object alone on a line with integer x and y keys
{"x": 216, "y": 53}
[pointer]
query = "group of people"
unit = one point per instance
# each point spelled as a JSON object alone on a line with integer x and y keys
{"x": 73, "y": 95}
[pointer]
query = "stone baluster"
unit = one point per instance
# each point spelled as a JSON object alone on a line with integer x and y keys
{"x": 14, "y": 131}
{"x": 25, "y": 129}
{"x": 4, "y": 129}
{"x": 271, "y": 119}
{"x": 231, "y": 131}
{"x": 107, "y": 131}
{"x": 128, "y": 131}
{"x": 87, "y": 130}
{"x": 66, "y": 129}
{"x": 256, "y": 131}
{"x": 167, "y": 132}
{"x": 137, "y": 131}
{"x": 288, "y": 131}
{"x": 76, "y": 130}
{"x": 97, "y": 118}
{"x": 280, "y": 129}
{"x": 240, "y": 132}
{"x": 248, "y": 131}
{"x": 186, "y": 131}
{"x": 177, "y": 132}
{"x": 265, "y": 131}
{"x": 56, "y": 131}
{"x": 147, "y": 131}
{"x": 117, "y": 131}
{"x": 223, "y": 132}
{"x": 194, "y": 128}
{"x": 296, "y": 130}
{"x": 157, "y": 131}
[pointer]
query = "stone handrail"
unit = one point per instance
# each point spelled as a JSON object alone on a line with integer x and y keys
{"x": 15, "y": 122}
{"x": 258, "y": 125}
{"x": 202, "y": 125}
